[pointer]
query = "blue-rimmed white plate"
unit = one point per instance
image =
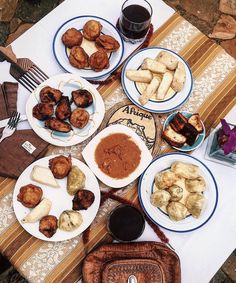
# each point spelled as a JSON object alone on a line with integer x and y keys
{"x": 159, "y": 217}
{"x": 61, "y": 53}
{"x": 173, "y": 100}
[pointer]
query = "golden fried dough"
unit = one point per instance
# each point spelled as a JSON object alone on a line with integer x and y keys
{"x": 92, "y": 30}
{"x": 48, "y": 225}
{"x": 30, "y": 195}
{"x": 63, "y": 110}
{"x": 83, "y": 199}
{"x": 42, "y": 111}
{"x": 99, "y": 61}
{"x": 58, "y": 125}
{"x": 78, "y": 57}
{"x": 82, "y": 98}
{"x": 107, "y": 42}
{"x": 60, "y": 166}
{"x": 50, "y": 95}
{"x": 72, "y": 37}
{"x": 79, "y": 118}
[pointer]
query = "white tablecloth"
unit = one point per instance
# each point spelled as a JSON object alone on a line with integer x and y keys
{"x": 201, "y": 252}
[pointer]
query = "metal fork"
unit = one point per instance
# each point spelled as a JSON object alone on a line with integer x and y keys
{"x": 11, "y": 125}
{"x": 23, "y": 69}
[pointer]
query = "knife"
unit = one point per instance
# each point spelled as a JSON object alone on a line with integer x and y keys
{"x": 4, "y": 122}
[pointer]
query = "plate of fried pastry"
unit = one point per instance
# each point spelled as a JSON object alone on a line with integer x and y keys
{"x": 157, "y": 79}
{"x": 89, "y": 46}
{"x": 65, "y": 110}
{"x": 56, "y": 198}
{"x": 178, "y": 192}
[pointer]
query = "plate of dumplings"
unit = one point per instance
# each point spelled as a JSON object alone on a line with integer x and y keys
{"x": 89, "y": 46}
{"x": 157, "y": 79}
{"x": 56, "y": 198}
{"x": 178, "y": 192}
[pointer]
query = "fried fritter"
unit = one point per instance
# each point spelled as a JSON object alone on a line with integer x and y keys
{"x": 79, "y": 118}
{"x": 63, "y": 110}
{"x": 43, "y": 111}
{"x": 78, "y": 57}
{"x": 30, "y": 195}
{"x": 60, "y": 166}
{"x": 82, "y": 98}
{"x": 50, "y": 95}
{"x": 72, "y": 37}
{"x": 83, "y": 199}
{"x": 99, "y": 61}
{"x": 92, "y": 30}
{"x": 107, "y": 42}
{"x": 58, "y": 125}
{"x": 48, "y": 225}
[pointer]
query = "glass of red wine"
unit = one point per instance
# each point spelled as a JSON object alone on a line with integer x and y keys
{"x": 135, "y": 20}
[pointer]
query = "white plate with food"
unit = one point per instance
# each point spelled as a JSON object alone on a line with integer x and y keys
{"x": 43, "y": 201}
{"x": 117, "y": 156}
{"x": 157, "y": 79}
{"x": 78, "y": 39}
{"x": 178, "y": 192}
{"x": 184, "y": 131}
{"x": 65, "y": 110}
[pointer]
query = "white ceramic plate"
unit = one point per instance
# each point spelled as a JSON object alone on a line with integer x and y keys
{"x": 89, "y": 156}
{"x": 67, "y": 83}
{"x": 199, "y": 140}
{"x": 61, "y": 200}
{"x": 131, "y": 90}
{"x": 61, "y": 54}
{"x": 190, "y": 223}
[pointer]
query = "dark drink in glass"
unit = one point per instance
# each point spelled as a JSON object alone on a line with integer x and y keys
{"x": 135, "y": 20}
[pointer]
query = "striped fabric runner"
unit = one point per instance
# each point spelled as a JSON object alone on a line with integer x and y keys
{"x": 213, "y": 97}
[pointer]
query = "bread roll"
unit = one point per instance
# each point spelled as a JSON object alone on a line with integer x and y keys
{"x": 143, "y": 76}
{"x": 150, "y": 90}
{"x": 179, "y": 77}
{"x": 164, "y": 86}
{"x": 153, "y": 66}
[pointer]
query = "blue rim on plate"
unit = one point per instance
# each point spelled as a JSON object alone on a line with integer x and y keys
{"x": 138, "y": 104}
{"x": 198, "y": 141}
{"x": 150, "y": 217}
{"x": 95, "y": 17}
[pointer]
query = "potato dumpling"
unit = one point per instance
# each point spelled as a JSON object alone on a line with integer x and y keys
{"x": 160, "y": 198}
{"x": 176, "y": 193}
{"x": 195, "y": 186}
{"x": 194, "y": 204}
{"x": 165, "y": 179}
{"x": 76, "y": 180}
{"x": 185, "y": 170}
{"x": 177, "y": 211}
{"x": 70, "y": 220}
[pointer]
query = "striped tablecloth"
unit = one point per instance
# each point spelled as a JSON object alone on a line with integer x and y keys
{"x": 213, "y": 96}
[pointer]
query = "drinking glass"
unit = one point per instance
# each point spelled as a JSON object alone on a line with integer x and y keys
{"x": 135, "y": 20}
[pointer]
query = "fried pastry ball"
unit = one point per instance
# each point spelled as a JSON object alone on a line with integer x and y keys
{"x": 43, "y": 111}
{"x": 48, "y": 225}
{"x": 63, "y": 110}
{"x": 78, "y": 57}
{"x": 72, "y": 37}
{"x": 92, "y": 30}
{"x": 107, "y": 42}
{"x": 60, "y": 166}
{"x": 50, "y": 95}
{"x": 58, "y": 125}
{"x": 79, "y": 118}
{"x": 30, "y": 195}
{"x": 83, "y": 199}
{"x": 99, "y": 61}
{"x": 82, "y": 98}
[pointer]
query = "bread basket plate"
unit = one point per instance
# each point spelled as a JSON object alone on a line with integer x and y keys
{"x": 61, "y": 54}
{"x": 89, "y": 156}
{"x": 160, "y": 218}
{"x": 61, "y": 200}
{"x": 67, "y": 83}
{"x": 172, "y": 101}
{"x": 199, "y": 140}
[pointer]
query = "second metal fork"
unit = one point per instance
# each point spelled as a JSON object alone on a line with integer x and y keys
{"x": 11, "y": 126}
